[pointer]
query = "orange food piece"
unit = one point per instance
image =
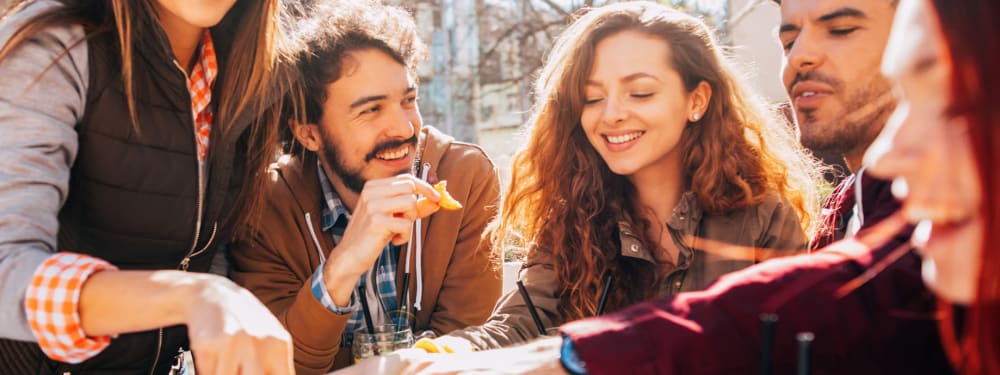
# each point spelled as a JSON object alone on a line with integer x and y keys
{"x": 446, "y": 202}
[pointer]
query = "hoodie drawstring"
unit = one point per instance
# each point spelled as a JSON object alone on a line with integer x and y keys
{"x": 419, "y": 247}
{"x": 312, "y": 232}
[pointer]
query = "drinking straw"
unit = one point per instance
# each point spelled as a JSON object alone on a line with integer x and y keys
{"x": 604, "y": 294}
{"x": 404, "y": 301}
{"x": 767, "y": 322}
{"x": 403, "y": 295}
{"x": 531, "y": 308}
{"x": 805, "y": 340}
{"x": 405, "y": 309}
{"x": 367, "y": 313}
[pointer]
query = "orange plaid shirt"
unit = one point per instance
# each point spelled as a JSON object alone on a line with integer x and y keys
{"x": 52, "y": 300}
{"x": 200, "y": 85}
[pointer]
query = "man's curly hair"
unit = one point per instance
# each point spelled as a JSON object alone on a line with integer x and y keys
{"x": 328, "y": 31}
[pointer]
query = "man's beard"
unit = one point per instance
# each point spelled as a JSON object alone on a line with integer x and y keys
{"x": 351, "y": 176}
{"x": 866, "y": 110}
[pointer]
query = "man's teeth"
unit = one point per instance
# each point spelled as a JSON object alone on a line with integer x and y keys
{"x": 616, "y": 139}
{"x": 393, "y": 155}
{"x": 808, "y": 94}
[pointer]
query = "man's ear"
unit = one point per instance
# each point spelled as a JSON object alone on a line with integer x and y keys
{"x": 307, "y": 135}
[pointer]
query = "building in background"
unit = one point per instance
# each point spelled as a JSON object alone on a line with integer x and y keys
{"x": 484, "y": 55}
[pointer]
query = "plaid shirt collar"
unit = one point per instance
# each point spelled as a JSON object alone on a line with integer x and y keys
{"x": 334, "y": 210}
{"x": 200, "y": 83}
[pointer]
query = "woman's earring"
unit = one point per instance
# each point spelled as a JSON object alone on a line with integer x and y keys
{"x": 696, "y": 117}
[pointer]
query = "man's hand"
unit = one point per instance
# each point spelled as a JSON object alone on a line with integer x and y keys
{"x": 385, "y": 212}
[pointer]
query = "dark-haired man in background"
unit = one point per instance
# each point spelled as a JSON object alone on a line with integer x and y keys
{"x": 339, "y": 213}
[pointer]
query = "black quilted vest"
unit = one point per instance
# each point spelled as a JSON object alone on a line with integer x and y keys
{"x": 134, "y": 196}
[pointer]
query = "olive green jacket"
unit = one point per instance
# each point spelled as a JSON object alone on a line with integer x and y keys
{"x": 763, "y": 231}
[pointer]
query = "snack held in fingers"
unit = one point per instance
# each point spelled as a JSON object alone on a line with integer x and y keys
{"x": 447, "y": 202}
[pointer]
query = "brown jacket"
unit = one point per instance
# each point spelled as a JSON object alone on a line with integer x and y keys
{"x": 461, "y": 274}
{"x": 771, "y": 224}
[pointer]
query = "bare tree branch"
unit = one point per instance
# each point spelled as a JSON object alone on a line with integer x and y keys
{"x": 556, "y": 7}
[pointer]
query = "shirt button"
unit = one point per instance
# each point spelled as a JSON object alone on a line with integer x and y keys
{"x": 634, "y": 248}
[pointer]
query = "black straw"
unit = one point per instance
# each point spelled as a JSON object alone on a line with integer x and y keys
{"x": 805, "y": 340}
{"x": 367, "y": 312}
{"x": 404, "y": 295}
{"x": 531, "y": 308}
{"x": 767, "y": 322}
{"x": 604, "y": 294}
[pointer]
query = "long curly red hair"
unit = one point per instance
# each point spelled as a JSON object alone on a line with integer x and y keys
{"x": 564, "y": 203}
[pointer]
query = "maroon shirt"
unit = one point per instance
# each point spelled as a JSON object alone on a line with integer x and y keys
{"x": 887, "y": 326}
{"x": 877, "y": 204}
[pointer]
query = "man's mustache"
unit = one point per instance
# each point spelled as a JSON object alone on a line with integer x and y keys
{"x": 389, "y": 145}
{"x": 815, "y": 76}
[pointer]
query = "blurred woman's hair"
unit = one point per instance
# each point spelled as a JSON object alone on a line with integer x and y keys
{"x": 972, "y": 34}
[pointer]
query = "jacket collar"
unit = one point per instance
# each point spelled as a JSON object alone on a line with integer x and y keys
{"x": 301, "y": 175}
{"x": 433, "y": 144}
{"x": 684, "y": 220}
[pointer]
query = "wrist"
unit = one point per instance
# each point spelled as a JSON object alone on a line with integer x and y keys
{"x": 339, "y": 280}
{"x": 190, "y": 291}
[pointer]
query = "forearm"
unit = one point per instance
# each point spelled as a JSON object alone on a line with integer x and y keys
{"x": 151, "y": 299}
{"x": 499, "y": 332}
{"x": 512, "y": 323}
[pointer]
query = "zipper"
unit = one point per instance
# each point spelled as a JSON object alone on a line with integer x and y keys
{"x": 185, "y": 262}
{"x": 201, "y": 190}
{"x": 193, "y": 253}
{"x": 159, "y": 348}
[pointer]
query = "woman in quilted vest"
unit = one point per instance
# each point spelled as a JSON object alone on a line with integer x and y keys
{"x": 133, "y": 132}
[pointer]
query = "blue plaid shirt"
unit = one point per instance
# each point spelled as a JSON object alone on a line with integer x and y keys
{"x": 334, "y": 221}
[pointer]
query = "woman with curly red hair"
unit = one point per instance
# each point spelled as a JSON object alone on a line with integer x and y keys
{"x": 648, "y": 162}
